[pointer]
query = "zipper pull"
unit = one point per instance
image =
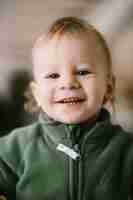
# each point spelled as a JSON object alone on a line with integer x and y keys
{"x": 68, "y": 151}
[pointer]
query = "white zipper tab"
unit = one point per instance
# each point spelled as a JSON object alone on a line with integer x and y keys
{"x": 67, "y": 150}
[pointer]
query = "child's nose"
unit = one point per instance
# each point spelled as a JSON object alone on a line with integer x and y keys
{"x": 70, "y": 83}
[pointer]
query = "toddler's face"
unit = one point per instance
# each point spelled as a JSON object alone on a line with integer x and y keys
{"x": 70, "y": 83}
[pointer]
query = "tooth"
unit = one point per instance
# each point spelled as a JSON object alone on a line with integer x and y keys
{"x": 71, "y": 100}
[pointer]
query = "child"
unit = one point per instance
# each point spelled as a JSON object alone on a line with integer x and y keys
{"x": 72, "y": 152}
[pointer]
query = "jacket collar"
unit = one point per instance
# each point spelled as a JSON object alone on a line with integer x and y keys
{"x": 66, "y": 134}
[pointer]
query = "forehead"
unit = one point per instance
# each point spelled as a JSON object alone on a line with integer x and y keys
{"x": 76, "y": 48}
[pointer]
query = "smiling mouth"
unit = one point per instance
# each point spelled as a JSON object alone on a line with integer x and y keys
{"x": 71, "y": 100}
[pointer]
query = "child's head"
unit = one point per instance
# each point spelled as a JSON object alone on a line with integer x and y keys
{"x": 72, "y": 71}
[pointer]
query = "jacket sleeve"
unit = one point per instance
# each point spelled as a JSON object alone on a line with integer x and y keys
{"x": 12, "y": 150}
{"x": 9, "y": 159}
{"x": 128, "y": 168}
{"x": 7, "y": 182}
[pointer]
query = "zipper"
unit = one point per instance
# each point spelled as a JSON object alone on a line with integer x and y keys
{"x": 75, "y": 171}
{"x": 76, "y": 167}
{"x": 79, "y": 174}
{"x": 80, "y": 180}
{"x": 75, "y": 177}
{"x": 75, "y": 182}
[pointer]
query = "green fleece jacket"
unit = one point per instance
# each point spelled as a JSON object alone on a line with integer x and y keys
{"x": 56, "y": 161}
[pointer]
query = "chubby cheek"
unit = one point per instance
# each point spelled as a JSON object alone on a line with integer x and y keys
{"x": 46, "y": 95}
{"x": 95, "y": 95}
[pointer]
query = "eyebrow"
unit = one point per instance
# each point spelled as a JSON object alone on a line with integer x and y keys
{"x": 86, "y": 66}
{"x": 83, "y": 65}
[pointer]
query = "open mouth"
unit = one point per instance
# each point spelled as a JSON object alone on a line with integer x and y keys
{"x": 71, "y": 100}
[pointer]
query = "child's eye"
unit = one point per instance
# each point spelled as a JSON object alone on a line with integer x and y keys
{"x": 53, "y": 76}
{"x": 83, "y": 72}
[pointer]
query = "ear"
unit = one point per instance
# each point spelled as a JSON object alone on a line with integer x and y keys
{"x": 35, "y": 91}
{"x": 109, "y": 91}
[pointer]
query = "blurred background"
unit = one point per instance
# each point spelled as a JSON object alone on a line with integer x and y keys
{"x": 21, "y": 21}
